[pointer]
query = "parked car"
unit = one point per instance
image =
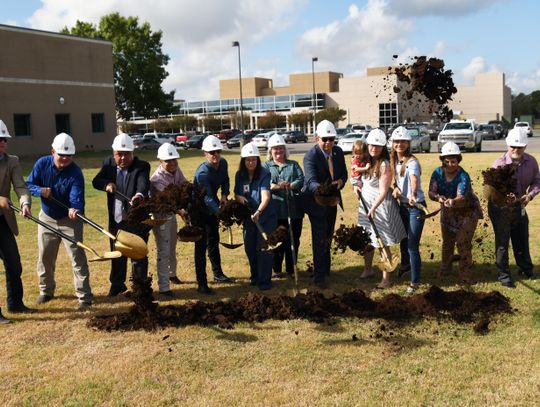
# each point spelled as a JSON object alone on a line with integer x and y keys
{"x": 159, "y": 137}
{"x": 346, "y": 142}
{"x": 226, "y": 134}
{"x": 421, "y": 142}
{"x": 503, "y": 127}
{"x": 340, "y": 132}
{"x": 195, "y": 141}
{"x": 524, "y": 125}
{"x": 235, "y": 140}
{"x": 261, "y": 139}
{"x": 357, "y": 128}
{"x": 146, "y": 144}
{"x": 433, "y": 131}
{"x": 294, "y": 136}
{"x": 462, "y": 132}
{"x": 488, "y": 131}
{"x": 181, "y": 139}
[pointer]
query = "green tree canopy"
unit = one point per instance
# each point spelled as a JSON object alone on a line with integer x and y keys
{"x": 139, "y": 63}
{"x": 184, "y": 123}
{"x": 211, "y": 123}
{"x": 272, "y": 120}
{"x": 300, "y": 119}
{"x": 332, "y": 114}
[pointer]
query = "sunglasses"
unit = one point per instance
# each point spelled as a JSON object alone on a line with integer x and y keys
{"x": 327, "y": 139}
{"x": 65, "y": 155}
{"x": 214, "y": 152}
{"x": 4, "y": 139}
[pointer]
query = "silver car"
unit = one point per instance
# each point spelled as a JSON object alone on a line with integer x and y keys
{"x": 346, "y": 142}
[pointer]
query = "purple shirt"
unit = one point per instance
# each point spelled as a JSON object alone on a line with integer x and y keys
{"x": 161, "y": 178}
{"x": 526, "y": 174}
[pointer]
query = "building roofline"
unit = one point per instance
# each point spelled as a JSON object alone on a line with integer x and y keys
{"x": 25, "y": 30}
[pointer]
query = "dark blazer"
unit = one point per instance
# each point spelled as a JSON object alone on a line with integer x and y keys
{"x": 138, "y": 180}
{"x": 316, "y": 171}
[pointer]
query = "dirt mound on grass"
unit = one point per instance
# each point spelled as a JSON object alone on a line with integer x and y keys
{"x": 460, "y": 306}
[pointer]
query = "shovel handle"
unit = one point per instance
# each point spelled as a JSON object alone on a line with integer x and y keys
{"x": 261, "y": 231}
{"x": 371, "y": 221}
{"x": 84, "y": 218}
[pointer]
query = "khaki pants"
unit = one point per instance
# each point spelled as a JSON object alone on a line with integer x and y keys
{"x": 48, "y": 244}
{"x": 463, "y": 240}
{"x": 166, "y": 252}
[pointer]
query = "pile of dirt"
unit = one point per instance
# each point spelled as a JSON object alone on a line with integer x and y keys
{"x": 354, "y": 237}
{"x": 233, "y": 212}
{"x": 460, "y": 306}
{"x": 327, "y": 193}
{"x": 279, "y": 235}
{"x": 427, "y": 77}
{"x": 189, "y": 233}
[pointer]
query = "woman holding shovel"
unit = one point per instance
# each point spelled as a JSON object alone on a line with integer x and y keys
{"x": 287, "y": 179}
{"x": 168, "y": 172}
{"x": 408, "y": 191}
{"x": 451, "y": 186}
{"x": 252, "y": 188}
{"x": 379, "y": 212}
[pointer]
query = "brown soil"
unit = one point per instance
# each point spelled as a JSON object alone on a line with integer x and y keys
{"x": 327, "y": 189}
{"x": 189, "y": 233}
{"x": 460, "y": 306}
{"x": 501, "y": 179}
{"x": 233, "y": 212}
{"x": 281, "y": 234}
{"x": 353, "y": 237}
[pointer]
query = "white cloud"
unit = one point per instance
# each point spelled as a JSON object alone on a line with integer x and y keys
{"x": 366, "y": 37}
{"x": 523, "y": 83}
{"x": 473, "y": 68}
{"x": 197, "y": 35}
{"x": 439, "y": 7}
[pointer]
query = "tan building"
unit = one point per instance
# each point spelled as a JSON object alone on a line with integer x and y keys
{"x": 52, "y": 83}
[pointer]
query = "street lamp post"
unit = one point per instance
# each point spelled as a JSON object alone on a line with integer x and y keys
{"x": 314, "y": 101}
{"x": 242, "y": 139}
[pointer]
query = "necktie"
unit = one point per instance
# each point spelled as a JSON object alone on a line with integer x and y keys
{"x": 331, "y": 167}
{"x": 118, "y": 204}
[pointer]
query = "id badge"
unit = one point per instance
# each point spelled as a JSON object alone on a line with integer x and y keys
{"x": 523, "y": 211}
{"x": 246, "y": 188}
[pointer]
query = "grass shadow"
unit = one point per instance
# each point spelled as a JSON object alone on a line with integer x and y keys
{"x": 233, "y": 336}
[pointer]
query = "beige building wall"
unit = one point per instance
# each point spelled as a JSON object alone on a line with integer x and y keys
{"x": 488, "y": 99}
{"x": 43, "y": 74}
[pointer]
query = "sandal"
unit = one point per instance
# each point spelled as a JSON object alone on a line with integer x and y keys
{"x": 383, "y": 285}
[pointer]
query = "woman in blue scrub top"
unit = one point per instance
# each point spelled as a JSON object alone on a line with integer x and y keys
{"x": 252, "y": 188}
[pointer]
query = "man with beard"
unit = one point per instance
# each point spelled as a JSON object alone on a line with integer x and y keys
{"x": 511, "y": 222}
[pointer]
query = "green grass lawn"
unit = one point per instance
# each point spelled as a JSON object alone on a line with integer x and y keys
{"x": 52, "y": 358}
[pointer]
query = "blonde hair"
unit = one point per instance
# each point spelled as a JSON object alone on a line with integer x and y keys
{"x": 393, "y": 160}
{"x": 360, "y": 148}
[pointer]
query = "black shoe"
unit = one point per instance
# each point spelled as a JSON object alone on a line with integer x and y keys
{"x": 222, "y": 278}
{"x": 43, "y": 298}
{"x": 526, "y": 274}
{"x": 21, "y": 309}
{"x": 403, "y": 270}
{"x": 84, "y": 306}
{"x": 509, "y": 284}
{"x": 114, "y": 291}
{"x": 175, "y": 280}
{"x": 321, "y": 284}
{"x": 279, "y": 275}
{"x": 168, "y": 294}
{"x": 204, "y": 289}
{"x": 3, "y": 320}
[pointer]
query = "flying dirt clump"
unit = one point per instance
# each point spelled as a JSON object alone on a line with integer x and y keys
{"x": 233, "y": 212}
{"x": 500, "y": 184}
{"x": 427, "y": 77}
{"x": 460, "y": 306}
{"x": 354, "y": 237}
{"x": 279, "y": 235}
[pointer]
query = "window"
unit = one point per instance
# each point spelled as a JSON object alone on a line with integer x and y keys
{"x": 22, "y": 124}
{"x": 62, "y": 123}
{"x": 387, "y": 114}
{"x": 98, "y": 122}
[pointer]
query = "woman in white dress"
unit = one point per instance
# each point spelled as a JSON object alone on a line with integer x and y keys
{"x": 382, "y": 208}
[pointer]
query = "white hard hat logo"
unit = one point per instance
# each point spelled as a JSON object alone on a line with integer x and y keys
{"x": 123, "y": 144}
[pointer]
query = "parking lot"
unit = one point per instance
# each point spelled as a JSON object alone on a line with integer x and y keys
{"x": 487, "y": 145}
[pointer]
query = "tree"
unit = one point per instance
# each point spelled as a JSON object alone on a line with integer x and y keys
{"x": 332, "y": 114}
{"x": 272, "y": 120}
{"x": 162, "y": 125}
{"x": 235, "y": 119}
{"x": 300, "y": 119}
{"x": 211, "y": 123}
{"x": 184, "y": 123}
{"x": 128, "y": 127}
{"x": 139, "y": 63}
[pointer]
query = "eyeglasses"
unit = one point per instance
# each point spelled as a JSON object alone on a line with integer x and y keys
{"x": 214, "y": 152}
{"x": 4, "y": 139}
{"x": 328, "y": 139}
{"x": 65, "y": 155}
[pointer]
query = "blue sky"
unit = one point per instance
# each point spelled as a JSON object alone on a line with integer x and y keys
{"x": 279, "y": 37}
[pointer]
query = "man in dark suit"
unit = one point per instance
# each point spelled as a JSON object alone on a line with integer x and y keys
{"x": 323, "y": 162}
{"x": 125, "y": 173}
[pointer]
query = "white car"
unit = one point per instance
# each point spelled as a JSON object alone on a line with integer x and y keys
{"x": 261, "y": 139}
{"x": 346, "y": 142}
{"x": 159, "y": 137}
{"x": 524, "y": 125}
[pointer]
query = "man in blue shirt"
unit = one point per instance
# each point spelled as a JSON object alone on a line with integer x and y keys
{"x": 211, "y": 175}
{"x": 58, "y": 176}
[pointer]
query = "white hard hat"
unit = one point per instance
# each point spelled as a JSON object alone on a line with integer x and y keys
{"x": 326, "y": 129}
{"x": 250, "y": 150}
{"x": 123, "y": 142}
{"x": 3, "y": 130}
{"x": 211, "y": 143}
{"x": 401, "y": 133}
{"x": 450, "y": 148}
{"x": 376, "y": 137}
{"x": 517, "y": 137}
{"x": 276, "y": 140}
{"x": 167, "y": 152}
{"x": 63, "y": 144}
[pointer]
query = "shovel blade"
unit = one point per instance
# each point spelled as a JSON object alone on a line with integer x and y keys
{"x": 231, "y": 246}
{"x": 130, "y": 245}
{"x": 107, "y": 256}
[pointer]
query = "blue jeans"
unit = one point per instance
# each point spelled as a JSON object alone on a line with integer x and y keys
{"x": 410, "y": 253}
{"x": 260, "y": 262}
